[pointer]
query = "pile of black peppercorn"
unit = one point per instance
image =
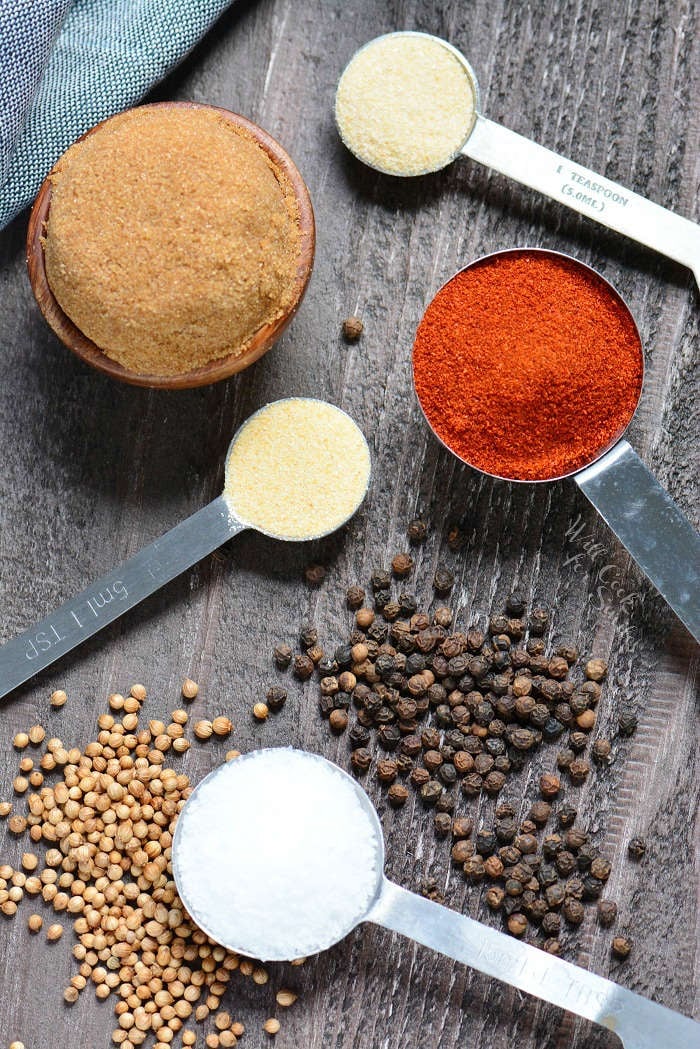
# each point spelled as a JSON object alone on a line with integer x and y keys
{"x": 454, "y": 713}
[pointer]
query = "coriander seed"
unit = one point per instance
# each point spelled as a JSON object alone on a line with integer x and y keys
{"x": 58, "y": 698}
{"x": 190, "y": 689}
{"x": 34, "y": 923}
{"x": 271, "y": 1026}
{"x": 261, "y": 711}
{"x": 54, "y": 932}
{"x": 203, "y": 729}
{"x": 221, "y": 726}
{"x": 20, "y": 741}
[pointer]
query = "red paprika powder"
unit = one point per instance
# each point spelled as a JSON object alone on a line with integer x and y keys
{"x": 528, "y": 365}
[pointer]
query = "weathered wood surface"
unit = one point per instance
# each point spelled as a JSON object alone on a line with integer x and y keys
{"x": 91, "y": 470}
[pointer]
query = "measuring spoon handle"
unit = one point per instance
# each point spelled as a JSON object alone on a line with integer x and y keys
{"x": 639, "y": 1022}
{"x": 648, "y": 523}
{"x": 586, "y": 192}
{"x": 115, "y": 593}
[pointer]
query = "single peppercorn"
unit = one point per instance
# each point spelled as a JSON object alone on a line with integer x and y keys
{"x": 303, "y": 667}
{"x": 397, "y": 794}
{"x": 352, "y": 328}
{"x": 595, "y": 669}
{"x": 636, "y": 848}
{"x": 360, "y": 759}
{"x": 601, "y": 751}
{"x": 443, "y": 580}
{"x": 417, "y": 530}
{"x": 607, "y": 912}
{"x": 314, "y": 574}
{"x": 282, "y": 656}
{"x": 627, "y": 722}
{"x": 549, "y": 785}
{"x": 517, "y": 924}
{"x": 578, "y": 771}
{"x": 621, "y": 947}
{"x": 539, "y": 621}
{"x": 338, "y": 720}
{"x": 276, "y": 697}
{"x": 401, "y": 564}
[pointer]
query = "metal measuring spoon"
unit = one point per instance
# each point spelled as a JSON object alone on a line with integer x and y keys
{"x": 578, "y": 187}
{"x": 639, "y": 1022}
{"x": 627, "y": 496}
{"x": 154, "y": 566}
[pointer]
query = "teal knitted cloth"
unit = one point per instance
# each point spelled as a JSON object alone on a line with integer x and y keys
{"x": 67, "y": 64}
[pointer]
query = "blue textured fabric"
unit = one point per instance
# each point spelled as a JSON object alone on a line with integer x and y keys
{"x": 67, "y": 64}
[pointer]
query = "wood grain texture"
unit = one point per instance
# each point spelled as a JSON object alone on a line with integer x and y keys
{"x": 93, "y": 469}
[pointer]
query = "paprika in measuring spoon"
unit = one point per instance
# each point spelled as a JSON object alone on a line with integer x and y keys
{"x": 528, "y": 366}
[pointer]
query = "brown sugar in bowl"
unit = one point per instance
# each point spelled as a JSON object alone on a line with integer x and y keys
{"x": 222, "y": 366}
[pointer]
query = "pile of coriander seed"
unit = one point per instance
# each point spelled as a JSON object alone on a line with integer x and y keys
{"x": 106, "y": 825}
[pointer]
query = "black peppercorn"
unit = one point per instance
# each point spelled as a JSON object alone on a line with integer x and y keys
{"x": 303, "y": 667}
{"x": 621, "y": 946}
{"x": 446, "y": 802}
{"x": 443, "y": 580}
{"x": 430, "y": 791}
{"x": 417, "y": 530}
{"x": 539, "y": 621}
{"x": 380, "y": 579}
{"x": 636, "y": 848}
{"x": 485, "y": 842}
{"x": 607, "y": 912}
{"x": 397, "y": 794}
{"x": 627, "y": 721}
{"x": 566, "y": 815}
{"x": 276, "y": 697}
{"x": 360, "y": 759}
{"x": 282, "y": 656}
{"x": 551, "y": 923}
{"x": 442, "y": 822}
{"x": 474, "y": 869}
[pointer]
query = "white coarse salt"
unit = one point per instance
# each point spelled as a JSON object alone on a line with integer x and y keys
{"x": 277, "y": 855}
{"x": 405, "y": 104}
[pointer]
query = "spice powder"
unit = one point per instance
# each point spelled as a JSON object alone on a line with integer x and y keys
{"x": 527, "y": 365}
{"x": 171, "y": 238}
{"x": 297, "y": 469}
{"x": 405, "y": 104}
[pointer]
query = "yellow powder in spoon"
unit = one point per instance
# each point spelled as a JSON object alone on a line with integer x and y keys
{"x": 405, "y": 104}
{"x": 171, "y": 239}
{"x": 297, "y": 469}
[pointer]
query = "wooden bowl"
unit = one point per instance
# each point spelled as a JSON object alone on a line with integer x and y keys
{"x": 215, "y": 370}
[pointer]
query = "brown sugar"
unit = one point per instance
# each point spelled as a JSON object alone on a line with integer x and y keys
{"x": 171, "y": 238}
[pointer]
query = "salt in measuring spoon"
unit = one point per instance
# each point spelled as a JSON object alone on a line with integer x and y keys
{"x": 293, "y": 871}
{"x": 269, "y": 464}
{"x": 363, "y": 119}
{"x": 613, "y": 478}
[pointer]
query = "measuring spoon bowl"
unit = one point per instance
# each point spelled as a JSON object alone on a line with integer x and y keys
{"x": 539, "y": 168}
{"x": 167, "y": 557}
{"x": 232, "y": 872}
{"x": 621, "y": 488}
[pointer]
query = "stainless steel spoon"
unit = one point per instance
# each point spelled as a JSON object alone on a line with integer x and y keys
{"x": 578, "y": 187}
{"x": 629, "y": 498}
{"x": 153, "y": 567}
{"x": 638, "y": 1022}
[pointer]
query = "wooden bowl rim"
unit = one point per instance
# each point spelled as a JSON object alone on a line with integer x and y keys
{"x": 215, "y": 370}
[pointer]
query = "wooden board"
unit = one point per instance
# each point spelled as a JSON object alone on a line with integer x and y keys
{"x": 91, "y": 470}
